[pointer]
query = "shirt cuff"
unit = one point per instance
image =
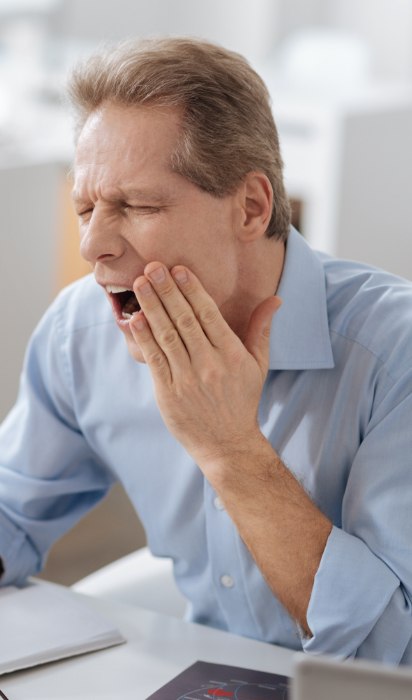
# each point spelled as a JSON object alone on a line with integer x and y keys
{"x": 18, "y": 557}
{"x": 352, "y": 589}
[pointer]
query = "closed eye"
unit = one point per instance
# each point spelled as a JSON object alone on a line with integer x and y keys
{"x": 85, "y": 213}
{"x": 142, "y": 209}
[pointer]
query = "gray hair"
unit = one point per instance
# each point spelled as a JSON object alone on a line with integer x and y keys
{"x": 227, "y": 127}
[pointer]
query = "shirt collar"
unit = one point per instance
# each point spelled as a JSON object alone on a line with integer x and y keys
{"x": 299, "y": 337}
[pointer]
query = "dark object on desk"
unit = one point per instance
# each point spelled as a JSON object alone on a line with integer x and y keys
{"x": 205, "y": 680}
{"x": 3, "y": 696}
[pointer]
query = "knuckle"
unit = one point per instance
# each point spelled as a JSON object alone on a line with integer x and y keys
{"x": 236, "y": 355}
{"x": 212, "y": 376}
{"x": 186, "y": 321}
{"x": 169, "y": 338}
{"x": 209, "y": 314}
{"x": 167, "y": 290}
{"x": 155, "y": 359}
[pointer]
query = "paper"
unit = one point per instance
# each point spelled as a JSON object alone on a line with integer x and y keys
{"x": 44, "y": 622}
{"x": 205, "y": 681}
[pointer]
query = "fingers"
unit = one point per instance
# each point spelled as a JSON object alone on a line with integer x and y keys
{"x": 179, "y": 309}
{"x": 207, "y": 313}
{"x": 169, "y": 325}
{"x": 154, "y": 330}
{"x": 153, "y": 355}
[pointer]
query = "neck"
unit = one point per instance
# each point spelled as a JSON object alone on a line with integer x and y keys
{"x": 260, "y": 269}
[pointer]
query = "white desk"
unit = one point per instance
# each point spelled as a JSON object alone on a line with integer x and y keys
{"x": 158, "y": 648}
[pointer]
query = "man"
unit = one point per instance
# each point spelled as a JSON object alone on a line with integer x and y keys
{"x": 266, "y": 449}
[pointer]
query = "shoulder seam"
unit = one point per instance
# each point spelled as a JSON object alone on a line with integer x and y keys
{"x": 357, "y": 342}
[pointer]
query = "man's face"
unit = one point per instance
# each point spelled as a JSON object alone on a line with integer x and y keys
{"x": 134, "y": 209}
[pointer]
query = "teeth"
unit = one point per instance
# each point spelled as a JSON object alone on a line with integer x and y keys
{"x": 126, "y": 315}
{"x": 112, "y": 289}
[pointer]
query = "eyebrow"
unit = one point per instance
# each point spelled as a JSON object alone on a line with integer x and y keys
{"x": 122, "y": 195}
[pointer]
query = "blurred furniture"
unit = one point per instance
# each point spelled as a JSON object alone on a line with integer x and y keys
{"x": 347, "y": 165}
{"x": 138, "y": 579}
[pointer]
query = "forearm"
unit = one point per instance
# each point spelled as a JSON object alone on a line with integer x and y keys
{"x": 283, "y": 529}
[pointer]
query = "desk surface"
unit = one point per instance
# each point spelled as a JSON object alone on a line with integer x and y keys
{"x": 158, "y": 648}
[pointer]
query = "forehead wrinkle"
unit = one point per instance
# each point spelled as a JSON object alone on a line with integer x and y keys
{"x": 116, "y": 194}
{"x": 141, "y": 194}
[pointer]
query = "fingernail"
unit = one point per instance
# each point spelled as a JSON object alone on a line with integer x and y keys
{"x": 157, "y": 275}
{"x": 180, "y": 275}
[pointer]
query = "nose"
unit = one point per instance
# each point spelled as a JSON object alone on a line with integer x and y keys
{"x": 100, "y": 237}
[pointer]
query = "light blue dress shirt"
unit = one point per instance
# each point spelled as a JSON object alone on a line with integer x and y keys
{"x": 336, "y": 406}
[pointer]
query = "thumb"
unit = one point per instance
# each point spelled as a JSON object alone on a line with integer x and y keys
{"x": 258, "y": 332}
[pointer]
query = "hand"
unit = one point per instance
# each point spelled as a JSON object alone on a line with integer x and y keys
{"x": 207, "y": 382}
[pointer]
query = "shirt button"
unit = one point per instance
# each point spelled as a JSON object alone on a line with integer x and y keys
{"x": 227, "y": 581}
{"x": 218, "y": 504}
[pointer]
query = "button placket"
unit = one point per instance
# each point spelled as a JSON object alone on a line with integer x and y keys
{"x": 227, "y": 581}
{"x": 218, "y": 503}
{"x": 226, "y": 567}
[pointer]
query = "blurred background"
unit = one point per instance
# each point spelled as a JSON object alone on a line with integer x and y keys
{"x": 340, "y": 78}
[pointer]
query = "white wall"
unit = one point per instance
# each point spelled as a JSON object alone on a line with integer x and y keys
{"x": 386, "y": 25}
{"x": 29, "y": 198}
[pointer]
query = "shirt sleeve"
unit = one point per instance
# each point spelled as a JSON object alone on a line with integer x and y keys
{"x": 49, "y": 476}
{"x": 361, "y": 603}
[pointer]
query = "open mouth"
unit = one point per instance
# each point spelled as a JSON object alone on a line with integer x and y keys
{"x": 124, "y": 301}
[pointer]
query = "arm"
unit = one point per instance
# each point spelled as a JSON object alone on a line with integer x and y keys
{"x": 361, "y": 603}
{"x": 49, "y": 477}
{"x": 208, "y": 386}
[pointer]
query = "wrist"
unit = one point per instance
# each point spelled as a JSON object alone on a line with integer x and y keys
{"x": 238, "y": 463}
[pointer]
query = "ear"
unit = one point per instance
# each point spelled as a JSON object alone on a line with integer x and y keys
{"x": 255, "y": 206}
